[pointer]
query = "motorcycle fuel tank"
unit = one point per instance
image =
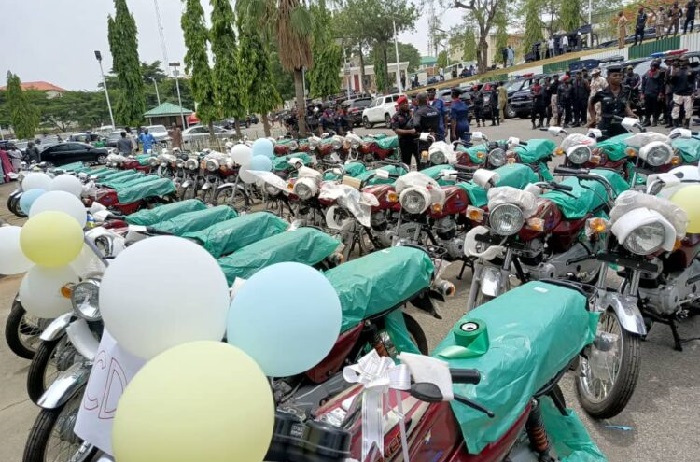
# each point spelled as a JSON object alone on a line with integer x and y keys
{"x": 551, "y": 216}
{"x": 456, "y": 202}
{"x": 382, "y": 193}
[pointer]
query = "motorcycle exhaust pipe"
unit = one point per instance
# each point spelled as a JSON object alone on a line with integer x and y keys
{"x": 444, "y": 288}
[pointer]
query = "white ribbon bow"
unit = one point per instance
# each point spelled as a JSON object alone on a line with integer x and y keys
{"x": 378, "y": 374}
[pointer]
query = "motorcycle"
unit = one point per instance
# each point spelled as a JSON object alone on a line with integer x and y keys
{"x": 216, "y": 170}
{"x": 452, "y": 406}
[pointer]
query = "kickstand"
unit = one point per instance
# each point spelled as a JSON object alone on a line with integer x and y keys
{"x": 461, "y": 272}
{"x": 676, "y": 336}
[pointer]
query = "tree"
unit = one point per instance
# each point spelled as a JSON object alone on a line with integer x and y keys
{"x": 381, "y": 78}
{"x": 284, "y": 80}
{"x": 570, "y": 15}
{"x": 533, "y": 24}
{"x": 197, "y": 62}
{"x": 469, "y": 45}
{"x": 24, "y": 116}
{"x": 484, "y": 13}
{"x": 291, "y": 23}
{"x": 407, "y": 53}
{"x": 123, "y": 44}
{"x": 260, "y": 87}
{"x": 501, "y": 22}
{"x": 152, "y": 71}
{"x": 442, "y": 59}
{"x": 328, "y": 56}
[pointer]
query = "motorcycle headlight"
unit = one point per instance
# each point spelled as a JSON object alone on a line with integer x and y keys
{"x": 656, "y": 153}
{"x": 152, "y": 161}
{"x": 355, "y": 144}
{"x": 85, "y": 299}
{"x": 497, "y": 157}
{"x": 305, "y": 188}
{"x": 646, "y": 239}
{"x": 179, "y": 164}
{"x": 413, "y": 201}
{"x": 293, "y": 145}
{"x": 337, "y": 144}
{"x": 506, "y": 219}
{"x": 578, "y": 154}
{"x": 191, "y": 164}
{"x": 271, "y": 190}
{"x": 163, "y": 164}
{"x": 437, "y": 157}
{"x": 212, "y": 165}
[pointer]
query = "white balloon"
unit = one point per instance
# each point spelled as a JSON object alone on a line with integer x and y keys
{"x": 36, "y": 180}
{"x": 12, "y": 260}
{"x": 87, "y": 262}
{"x": 40, "y": 291}
{"x": 60, "y": 201}
{"x": 161, "y": 292}
{"x": 97, "y": 207}
{"x": 67, "y": 183}
{"x": 246, "y": 176}
{"x": 241, "y": 154}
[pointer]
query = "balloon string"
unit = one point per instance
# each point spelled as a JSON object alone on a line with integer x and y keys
{"x": 402, "y": 426}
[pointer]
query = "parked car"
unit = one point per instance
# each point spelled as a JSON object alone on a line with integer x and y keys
{"x": 252, "y": 119}
{"x": 519, "y": 99}
{"x": 381, "y": 110}
{"x": 85, "y": 137}
{"x": 112, "y": 138}
{"x": 68, "y": 152}
{"x": 159, "y": 132}
{"x": 354, "y": 109}
{"x": 201, "y": 132}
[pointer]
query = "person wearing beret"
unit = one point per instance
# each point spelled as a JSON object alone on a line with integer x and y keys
{"x": 614, "y": 102}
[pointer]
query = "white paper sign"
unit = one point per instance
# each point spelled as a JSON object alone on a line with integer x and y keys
{"x": 112, "y": 369}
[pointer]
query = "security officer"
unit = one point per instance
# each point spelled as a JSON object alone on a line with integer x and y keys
{"x": 614, "y": 101}
{"x": 438, "y": 104}
{"x": 402, "y": 124}
{"x": 426, "y": 119}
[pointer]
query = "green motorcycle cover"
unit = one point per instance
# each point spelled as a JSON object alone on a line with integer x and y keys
{"x": 614, "y": 147}
{"x": 158, "y": 187}
{"x": 688, "y": 149}
{"x": 107, "y": 173}
{"x": 76, "y": 167}
{"x": 143, "y": 158}
{"x": 195, "y": 221}
{"x": 534, "y": 331}
{"x": 537, "y": 150}
{"x": 375, "y": 137}
{"x": 388, "y": 142}
{"x": 282, "y": 163}
{"x": 304, "y": 245}
{"x": 353, "y": 169}
{"x": 119, "y": 176}
{"x": 148, "y": 217}
{"x": 100, "y": 171}
{"x": 588, "y": 195}
{"x": 435, "y": 171}
{"x": 228, "y": 236}
{"x": 473, "y": 152}
{"x": 122, "y": 181}
{"x": 368, "y": 179}
{"x": 514, "y": 175}
{"x": 379, "y": 281}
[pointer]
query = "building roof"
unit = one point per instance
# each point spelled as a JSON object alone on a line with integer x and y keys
{"x": 167, "y": 109}
{"x": 39, "y": 85}
{"x": 425, "y": 60}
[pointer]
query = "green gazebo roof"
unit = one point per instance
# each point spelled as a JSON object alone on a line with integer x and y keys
{"x": 167, "y": 109}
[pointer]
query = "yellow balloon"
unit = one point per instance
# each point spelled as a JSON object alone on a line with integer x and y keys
{"x": 51, "y": 239}
{"x": 687, "y": 199}
{"x": 199, "y": 401}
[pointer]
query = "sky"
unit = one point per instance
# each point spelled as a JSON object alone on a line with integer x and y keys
{"x": 54, "y": 40}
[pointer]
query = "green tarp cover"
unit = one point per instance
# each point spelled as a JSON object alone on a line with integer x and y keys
{"x": 537, "y": 150}
{"x": 534, "y": 331}
{"x": 148, "y": 217}
{"x": 73, "y": 167}
{"x": 100, "y": 171}
{"x": 388, "y": 142}
{"x": 195, "y": 221}
{"x": 282, "y": 162}
{"x": 117, "y": 175}
{"x": 589, "y": 195}
{"x": 304, "y": 245}
{"x": 143, "y": 158}
{"x": 375, "y": 180}
{"x": 614, "y": 147}
{"x": 379, "y": 281}
{"x": 228, "y": 236}
{"x": 123, "y": 181}
{"x": 374, "y": 137}
{"x": 514, "y": 175}
{"x": 158, "y": 187}
{"x": 688, "y": 149}
{"x": 434, "y": 173}
{"x": 473, "y": 151}
{"x": 353, "y": 169}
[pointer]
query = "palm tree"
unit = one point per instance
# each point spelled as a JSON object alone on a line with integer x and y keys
{"x": 289, "y": 21}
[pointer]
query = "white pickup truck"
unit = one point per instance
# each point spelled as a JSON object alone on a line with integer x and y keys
{"x": 380, "y": 111}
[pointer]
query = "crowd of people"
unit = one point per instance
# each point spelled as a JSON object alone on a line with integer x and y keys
{"x": 665, "y": 20}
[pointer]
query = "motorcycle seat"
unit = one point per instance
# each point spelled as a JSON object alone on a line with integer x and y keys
{"x": 514, "y": 175}
{"x": 195, "y": 221}
{"x": 148, "y": 217}
{"x": 589, "y": 196}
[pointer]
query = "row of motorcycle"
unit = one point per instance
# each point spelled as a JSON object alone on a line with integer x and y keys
{"x": 541, "y": 246}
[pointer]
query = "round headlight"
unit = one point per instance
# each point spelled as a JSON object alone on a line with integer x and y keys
{"x": 153, "y": 161}
{"x": 303, "y": 191}
{"x": 497, "y": 157}
{"x": 656, "y": 153}
{"x": 163, "y": 164}
{"x": 179, "y": 164}
{"x": 191, "y": 164}
{"x": 271, "y": 190}
{"x": 413, "y": 202}
{"x": 337, "y": 144}
{"x": 212, "y": 165}
{"x": 506, "y": 219}
{"x": 646, "y": 239}
{"x": 293, "y": 145}
{"x": 578, "y": 154}
{"x": 355, "y": 144}
{"x": 85, "y": 299}
{"x": 437, "y": 157}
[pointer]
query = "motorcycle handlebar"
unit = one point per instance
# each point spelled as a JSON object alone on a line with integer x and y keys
{"x": 570, "y": 171}
{"x": 466, "y": 376}
{"x": 561, "y": 187}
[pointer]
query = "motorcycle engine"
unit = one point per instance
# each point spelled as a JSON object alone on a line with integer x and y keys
{"x": 667, "y": 299}
{"x": 455, "y": 247}
{"x": 378, "y": 221}
{"x": 446, "y": 228}
{"x": 409, "y": 232}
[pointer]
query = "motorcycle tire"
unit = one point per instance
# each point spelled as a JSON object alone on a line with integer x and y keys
{"x": 417, "y": 333}
{"x": 625, "y": 383}
{"x": 36, "y": 385}
{"x": 15, "y": 328}
{"x": 45, "y": 424}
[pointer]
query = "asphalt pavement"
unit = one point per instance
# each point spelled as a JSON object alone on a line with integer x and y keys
{"x": 659, "y": 424}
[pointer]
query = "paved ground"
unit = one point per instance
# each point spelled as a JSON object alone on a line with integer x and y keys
{"x": 663, "y": 414}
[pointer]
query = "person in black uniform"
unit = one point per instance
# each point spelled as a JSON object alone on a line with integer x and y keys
{"x": 426, "y": 119}
{"x": 478, "y": 101}
{"x": 614, "y": 102}
{"x": 493, "y": 102}
{"x": 653, "y": 93}
{"x": 402, "y": 124}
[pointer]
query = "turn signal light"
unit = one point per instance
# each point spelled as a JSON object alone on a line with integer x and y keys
{"x": 597, "y": 225}
{"x": 535, "y": 224}
{"x": 511, "y": 160}
{"x": 559, "y": 152}
{"x": 290, "y": 186}
{"x": 595, "y": 160}
{"x": 475, "y": 214}
{"x": 392, "y": 196}
{"x": 631, "y": 152}
{"x": 677, "y": 245}
{"x": 67, "y": 291}
{"x": 675, "y": 160}
{"x": 424, "y": 155}
{"x": 436, "y": 208}
{"x": 480, "y": 155}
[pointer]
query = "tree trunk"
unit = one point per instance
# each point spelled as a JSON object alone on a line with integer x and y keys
{"x": 482, "y": 54}
{"x": 387, "y": 82}
{"x": 301, "y": 101}
{"x": 363, "y": 75}
{"x": 212, "y": 136}
{"x": 237, "y": 126}
{"x": 266, "y": 125}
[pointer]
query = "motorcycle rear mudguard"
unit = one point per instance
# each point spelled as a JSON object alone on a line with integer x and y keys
{"x": 68, "y": 383}
{"x": 57, "y": 328}
{"x": 625, "y": 307}
{"x": 229, "y": 185}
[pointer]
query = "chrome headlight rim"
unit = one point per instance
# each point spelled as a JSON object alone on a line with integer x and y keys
{"x": 85, "y": 298}
{"x": 212, "y": 165}
{"x": 656, "y": 154}
{"x": 654, "y": 230}
{"x": 437, "y": 158}
{"x": 413, "y": 202}
{"x": 180, "y": 164}
{"x": 499, "y": 214}
{"x": 497, "y": 157}
{"x": 271, "y": 190}
{"x": 191, "y": 164}
{"x": 354, "y": 144}
{"x": 303, "y": 191}
{"x": 579, "y": 154}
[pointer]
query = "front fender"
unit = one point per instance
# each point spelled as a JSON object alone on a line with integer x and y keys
{"x": 65, "y": 386}
{"x": 625, "y": 307}
{"x": 57, "y": 328}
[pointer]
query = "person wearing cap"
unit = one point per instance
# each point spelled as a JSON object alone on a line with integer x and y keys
{"x": 640, "y": 25}
{"x": 493, "y": 105}
{"x": 426, "y": 119}
{"x": 683, "y": 82}
{"x": 614, "y": 102}
{"x": 402, "y": 124}
{"x": 539, "y": 94}
{"x": 438, "y": 104}
{"x": 459, "y": 117}
{"x": 621, "y": 29}
{"x": 633, "y": 81}
{"x": 580, "y": 90}
{"x": 597, "y": 83}
{"x": 690, "y": 8}
{"x": 478, "y": 102}
{"x": 564, "y": 102}
{"x": 660, "y": 22}
{"x": 653, "y": 93}
{"x": 674, "y": 16}
{"x": 553, "y": 103}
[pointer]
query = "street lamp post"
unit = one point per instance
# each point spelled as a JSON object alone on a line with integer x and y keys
{"x": 177, "y": 86}
{"x": 98, "y": 56}
{"x": 155, "y": 82}
{"x": 396, "y": 46}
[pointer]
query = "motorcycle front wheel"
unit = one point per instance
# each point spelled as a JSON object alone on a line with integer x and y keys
{"x": 50, "y": 360}
{"x": 22, "y": 331}
{"x": 608, "y": 372}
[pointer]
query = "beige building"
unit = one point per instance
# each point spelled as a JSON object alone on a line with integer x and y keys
{"x": 352, "y": 76}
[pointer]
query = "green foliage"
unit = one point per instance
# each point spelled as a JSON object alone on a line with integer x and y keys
{"x": 228, "y": 81}
{"x": 483, "y": 14}
{"x": 197, "y": 61}
{"x": 24, "y": 116}
{"x": 380, "y": 71}
{"x": 328, "y": 56}
{"x": 570, "y": 14}
{"x": 407, "y": 53}
{"x": 283, "y": 79}
{"x": 442, "y": 59}
{"x": 533, "y": 24}
{"x": 469, "y": 45}
{"x": 152, "y": 71}
{"x": 123, "y": 44}
{"x": 501, "y": 22}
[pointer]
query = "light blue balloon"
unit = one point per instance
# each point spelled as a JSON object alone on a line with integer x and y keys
{"x": 260, "y": 163}
{"x": 263, "y": 147}
{"x": 287, "y": 317}
{"x": 28, "y": 198}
